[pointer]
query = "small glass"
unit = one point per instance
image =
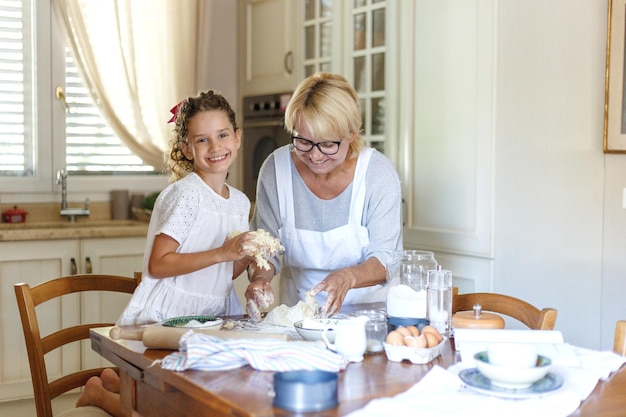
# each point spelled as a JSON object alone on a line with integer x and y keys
{"x": 439, "y": 299}
{"x": 375, "y": 329}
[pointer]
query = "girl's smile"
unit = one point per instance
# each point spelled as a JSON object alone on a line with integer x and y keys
{"x": 212, "y": 145}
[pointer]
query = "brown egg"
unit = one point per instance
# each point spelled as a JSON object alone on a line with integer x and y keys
{"x": 431, "y": 329}
{"x": 416, "y": 341}
{"x": 414, "y": 330}
{"x": 431, "y": 339}
{"x": 403, "y": 330}
{"x": 395, "y": 338}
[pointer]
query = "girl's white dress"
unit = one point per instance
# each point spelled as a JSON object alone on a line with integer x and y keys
{"x": 199, "y": 219}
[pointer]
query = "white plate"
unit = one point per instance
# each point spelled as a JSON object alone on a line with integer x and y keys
{"x": 193, "y": 322}
{"x": 479, "y": 383}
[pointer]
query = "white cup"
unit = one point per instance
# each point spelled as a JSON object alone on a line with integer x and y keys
{"x": 512, "y": 355}
{"x": 350, "y": 339}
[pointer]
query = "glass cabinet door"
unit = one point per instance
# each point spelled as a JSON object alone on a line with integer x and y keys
{"x": 368, "y": 66}
{"x": 349, "y": 37}
{"x": 318, "y": 36}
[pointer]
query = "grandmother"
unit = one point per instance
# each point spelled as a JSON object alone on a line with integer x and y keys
{"x": 334, "y": 203}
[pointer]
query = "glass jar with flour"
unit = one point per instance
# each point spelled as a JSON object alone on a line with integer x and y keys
{"x": 407, "y": 296}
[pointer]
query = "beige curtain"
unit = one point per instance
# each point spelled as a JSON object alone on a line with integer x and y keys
{"x": 139, "y": 58}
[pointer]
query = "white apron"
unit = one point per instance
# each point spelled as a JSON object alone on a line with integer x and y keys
{"x": 310, "y": 256}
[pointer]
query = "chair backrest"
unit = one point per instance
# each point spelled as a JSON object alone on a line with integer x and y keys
{"x": 513, "y": 307}
{"x": 37, "y": 346}
{"x": 619, "y": 341}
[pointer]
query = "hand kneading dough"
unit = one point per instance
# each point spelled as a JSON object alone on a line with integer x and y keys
{"x": 265, "y": 246}
{"x": 287, "y": 316}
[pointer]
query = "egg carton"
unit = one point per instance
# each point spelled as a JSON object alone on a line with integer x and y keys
{"x": 415, "y": 355}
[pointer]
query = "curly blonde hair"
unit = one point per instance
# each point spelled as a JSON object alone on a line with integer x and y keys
{"x": 178, "y": 163}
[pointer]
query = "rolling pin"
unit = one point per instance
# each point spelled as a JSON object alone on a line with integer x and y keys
{"x": 161, "y": 337}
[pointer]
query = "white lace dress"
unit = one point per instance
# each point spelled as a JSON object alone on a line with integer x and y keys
{"x": 199, "y": 219}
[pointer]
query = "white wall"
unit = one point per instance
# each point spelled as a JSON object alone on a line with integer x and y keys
{"x": 560, "y": 231}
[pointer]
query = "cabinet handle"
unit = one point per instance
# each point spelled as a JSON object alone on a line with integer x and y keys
{"x": 288, "y": 62}
{"x": 404, "y": 212}
{"x": 88, "y": 268}
{"x": 73, "y": 266}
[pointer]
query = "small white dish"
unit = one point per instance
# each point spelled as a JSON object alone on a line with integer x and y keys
{"x": 513, "y": 378}
{"x": 312, "y": 329}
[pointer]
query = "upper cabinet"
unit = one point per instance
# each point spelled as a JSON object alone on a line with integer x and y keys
{"x": 268, "y": 52}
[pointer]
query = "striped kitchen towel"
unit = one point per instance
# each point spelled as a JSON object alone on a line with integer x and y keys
{"x": 209, "y": 353}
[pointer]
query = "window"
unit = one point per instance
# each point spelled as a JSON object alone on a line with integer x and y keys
{"x": 41, "y": 133}
{"x": 16, "y": 86}
{"x": 92, "y": 146}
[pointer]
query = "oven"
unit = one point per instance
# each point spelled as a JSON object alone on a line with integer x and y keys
{"x": 263, "y": 132}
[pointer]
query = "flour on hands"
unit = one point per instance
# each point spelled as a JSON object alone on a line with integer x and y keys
{"x": 263, "y": 247}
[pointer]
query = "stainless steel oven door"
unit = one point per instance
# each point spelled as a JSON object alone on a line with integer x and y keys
{"x": 260, "y": 139}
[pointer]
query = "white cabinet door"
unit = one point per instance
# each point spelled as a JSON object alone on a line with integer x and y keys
{"x": 267, "y": 47}
{"x": 446, "y": 153}
{"x": 33, "y": 262}
{"x": 114, "y": 256}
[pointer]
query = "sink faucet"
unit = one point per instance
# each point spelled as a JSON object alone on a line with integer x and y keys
{"x": 71, "y": 213}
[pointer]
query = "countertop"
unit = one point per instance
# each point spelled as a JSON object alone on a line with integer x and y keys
{"x": 82, "y": 228}
{"x": 44, "y": 222}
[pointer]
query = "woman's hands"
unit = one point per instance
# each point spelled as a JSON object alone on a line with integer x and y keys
{"x": 339, "y": 282}
{"x": 336, "y": 285}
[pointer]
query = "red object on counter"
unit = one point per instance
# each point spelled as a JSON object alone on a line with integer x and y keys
{"x": 14, "y": 215}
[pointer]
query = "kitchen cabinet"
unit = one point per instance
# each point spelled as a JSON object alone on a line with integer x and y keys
{"x": 267, "y": 47}
{"x": 38, "y": 261}
{"x": 445, "y": 154}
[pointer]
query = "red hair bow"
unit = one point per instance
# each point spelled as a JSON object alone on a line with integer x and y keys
{"x": 174, "y": 111}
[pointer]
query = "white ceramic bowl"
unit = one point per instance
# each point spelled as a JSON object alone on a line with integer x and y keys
{"x": 512, "y": 355}
{"x": 312, "y": 329}
{"x": 513, "y": 378}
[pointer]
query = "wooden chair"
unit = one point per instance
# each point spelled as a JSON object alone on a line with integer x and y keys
{"x": 513, "y": 307}
{"x": 37, "y": 346}
{"x": 619, "y": 341}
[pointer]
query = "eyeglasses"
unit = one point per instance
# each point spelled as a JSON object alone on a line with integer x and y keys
{"x": 305, "y": 145}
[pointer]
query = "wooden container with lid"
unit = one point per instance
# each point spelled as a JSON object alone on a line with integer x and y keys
{"x": 476, "y": 319}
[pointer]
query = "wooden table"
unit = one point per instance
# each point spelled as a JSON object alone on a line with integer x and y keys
{"x": 151, "y": 391}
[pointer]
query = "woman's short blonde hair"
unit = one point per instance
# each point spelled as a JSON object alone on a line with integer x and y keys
{"x": 329, "y": 108}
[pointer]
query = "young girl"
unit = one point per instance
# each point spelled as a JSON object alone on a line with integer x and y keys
{"x": 190, "y": 261}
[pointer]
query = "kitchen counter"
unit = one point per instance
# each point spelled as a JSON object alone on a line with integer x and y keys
{"x": 64, "y": 229}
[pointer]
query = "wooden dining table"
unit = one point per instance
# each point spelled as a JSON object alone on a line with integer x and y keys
{"x": 148, "y": 390}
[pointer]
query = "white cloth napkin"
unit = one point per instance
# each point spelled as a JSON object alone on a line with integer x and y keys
{"x": 548, "y": 342}
{"x": 209, "y": 353}
{"x": 442, "y": 393}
